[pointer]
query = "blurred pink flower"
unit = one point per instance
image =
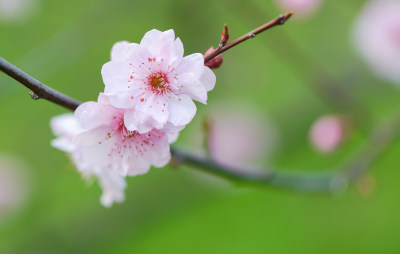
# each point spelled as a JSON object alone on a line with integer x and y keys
{"x": 155, "y": 83}
{"x": 302, "y": 8}
{"x": 377, "y": 37}
{"x": 238, "y": 138}
{"x": 327, "y": 132}
{"x": 11, "y": 10}
{"x": 14, "y": 184}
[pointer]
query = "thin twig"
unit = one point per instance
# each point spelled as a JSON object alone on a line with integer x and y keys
{"x": 38, "y": 89}
{"x": 280, "y": 20}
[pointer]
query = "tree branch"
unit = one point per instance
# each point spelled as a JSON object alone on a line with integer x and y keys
{"x": 327, "y": 181}
{"x": 39, "y": 90}
{"x": 280, "y": 20}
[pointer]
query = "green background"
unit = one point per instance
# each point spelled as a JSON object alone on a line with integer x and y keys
{"x": 181, "y": 210}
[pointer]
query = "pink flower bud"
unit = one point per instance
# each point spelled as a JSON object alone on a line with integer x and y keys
{"x": 216, "y": 61}
{"x": 327, "y": 133}
{"x": 225, "y": 35}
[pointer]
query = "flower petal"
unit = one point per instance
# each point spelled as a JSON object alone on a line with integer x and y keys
{"x": 113, "y": 70}
{"x": 172, "y": 137}
{"x": 65, "y": 125}
{"x": 92, "y": 114}
{"x": 188, "y": 84}
{"x": 193, "y": 63}
{"x": 154, "y": 40}
{"x": 113, "y": 186}
{"x": 120, "y": 50}
{"x": 208, "y": 78}
{"x": 138, "y": 121}
{"x": 181, "y": 110}
{"x": 154, "y": 105}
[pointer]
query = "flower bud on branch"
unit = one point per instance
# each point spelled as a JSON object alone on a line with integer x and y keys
{"x": 214, "y": 63}
{"x": 224, "y": 36}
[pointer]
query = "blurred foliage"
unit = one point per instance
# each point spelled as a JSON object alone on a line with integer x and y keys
{"x": 65, "y": 43}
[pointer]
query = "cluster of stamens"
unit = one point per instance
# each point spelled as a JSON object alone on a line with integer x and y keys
{"x": 158, "y": 83}
{"x": 130, "y": 139}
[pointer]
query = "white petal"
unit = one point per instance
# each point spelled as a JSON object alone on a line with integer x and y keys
{"x": 113, "y": 186}
{"x": 208, "y": 78}
{"x": 138, "y": 166}
{"x": 64, "y": 144}
{"x": 65, "y": 125}
{"x": 172, "y": 137}
{"x": 156, "y": 107}
{"x": 138, "y": 121}
{"x": 93, "y": 148}
{"x": 121, "y": 50}
{"x": 103, "y": 99}
{"x": 178, "y": 49}
{"x": 158, "y": 153}
{"x": 181, "y": 110}
{"x": 172, "y": 129}
{"x": 154, "y": 40}
{"x": 193, "y": 63}
{"x": 172, "y": 53}
{"x": 188, "y": 84}
{"x": 113, "y": 70}
{"x": 92, "y": 114}
{"x": 121, "y": 100}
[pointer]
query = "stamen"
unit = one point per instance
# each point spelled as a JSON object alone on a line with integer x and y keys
{"x": 158, "y": 83}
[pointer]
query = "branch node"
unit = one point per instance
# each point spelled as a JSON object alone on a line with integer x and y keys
{"x": 282, "y": 19}
{"x": 34, "y": 96}
{"x": 252, "y": 35}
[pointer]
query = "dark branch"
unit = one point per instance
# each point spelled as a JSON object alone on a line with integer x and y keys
{"x": 39, "y": 90}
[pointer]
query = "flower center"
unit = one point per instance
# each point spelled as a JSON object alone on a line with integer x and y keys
{"x": 127, "y": 133}
{"x": 158, "y": 83}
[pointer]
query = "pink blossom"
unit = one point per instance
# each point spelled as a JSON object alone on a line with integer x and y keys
{"x": 302, "y": 8}
{"x": 239, "y": 138}
{"x": 377, "y": 37}
{"x": 101, "y": 146}
{"x": 327, "y": 132}
{"x": 67, "y": 127}
{"x": 155, "y": 83}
